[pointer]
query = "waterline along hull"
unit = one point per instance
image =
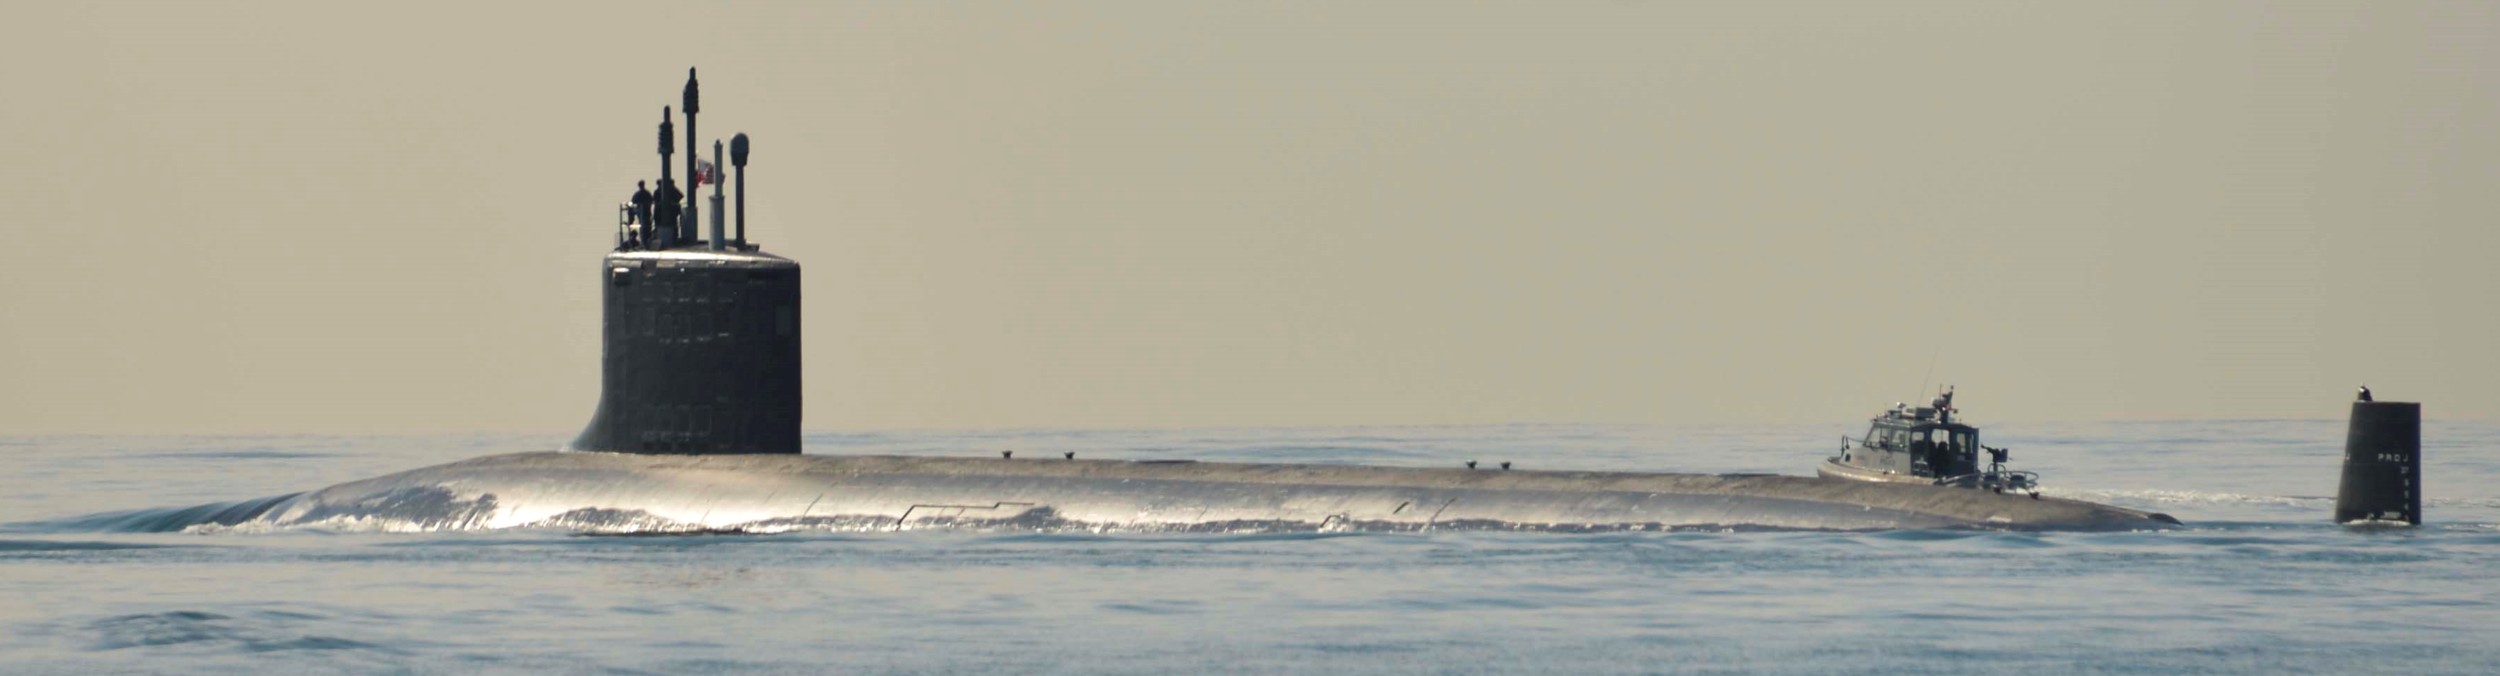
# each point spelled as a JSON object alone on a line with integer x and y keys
{"x": 618, "y": 492}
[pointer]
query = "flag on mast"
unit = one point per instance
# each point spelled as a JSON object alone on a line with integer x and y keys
{"x": 705, "y": 172}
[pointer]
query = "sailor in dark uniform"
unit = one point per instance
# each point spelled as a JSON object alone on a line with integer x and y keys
{"x": 666, "y": 205}
{"x": 642, "y": 204}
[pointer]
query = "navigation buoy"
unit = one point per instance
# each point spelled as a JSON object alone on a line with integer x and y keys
{"x": 2382, "y": 464}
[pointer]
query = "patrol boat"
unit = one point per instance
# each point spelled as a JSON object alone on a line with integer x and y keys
{"x": 1925, "y": 445}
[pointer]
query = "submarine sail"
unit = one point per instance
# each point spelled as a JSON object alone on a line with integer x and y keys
{"x": 699, "y": 339}
{"x": 700, "y": 354}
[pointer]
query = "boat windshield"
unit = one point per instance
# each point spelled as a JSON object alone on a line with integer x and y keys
{"x": 1956, "y": 442}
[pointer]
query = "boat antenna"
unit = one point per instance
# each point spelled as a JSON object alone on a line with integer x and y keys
{"x": 1931, "y": 373}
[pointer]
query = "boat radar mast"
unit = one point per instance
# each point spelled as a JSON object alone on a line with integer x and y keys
{"x": 700, "y": 339}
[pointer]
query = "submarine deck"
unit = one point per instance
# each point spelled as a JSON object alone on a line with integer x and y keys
{"x": 764, "y": 492}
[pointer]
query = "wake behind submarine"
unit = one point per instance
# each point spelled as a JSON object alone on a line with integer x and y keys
{"x": 697, "y": 430}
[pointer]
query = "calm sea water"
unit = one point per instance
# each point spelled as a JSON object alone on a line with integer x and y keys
{"x": 2260, "y": 583}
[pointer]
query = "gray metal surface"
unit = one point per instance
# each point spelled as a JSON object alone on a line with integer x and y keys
{"x": 700, "y": 353}
{"x": 1833, "y": 468}
{"x": 613, "y": 492}
{"x": 2382, "y": 482}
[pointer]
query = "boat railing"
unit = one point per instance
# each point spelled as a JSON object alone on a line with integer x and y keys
{"x": 1998, "y": 479}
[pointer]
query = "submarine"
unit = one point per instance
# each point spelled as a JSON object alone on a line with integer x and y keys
{"x": 697, "y": 430}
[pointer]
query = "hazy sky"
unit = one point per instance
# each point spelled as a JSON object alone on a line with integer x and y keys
{"x": 361, "y": 217}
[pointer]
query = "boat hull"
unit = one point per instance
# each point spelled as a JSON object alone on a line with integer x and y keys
{"x": 1833, "y": 468}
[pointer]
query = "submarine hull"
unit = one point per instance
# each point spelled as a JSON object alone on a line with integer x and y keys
{"x": 623, "y": 493}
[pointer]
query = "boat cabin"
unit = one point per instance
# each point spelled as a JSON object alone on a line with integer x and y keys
{"x": 1915, "y": 442}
